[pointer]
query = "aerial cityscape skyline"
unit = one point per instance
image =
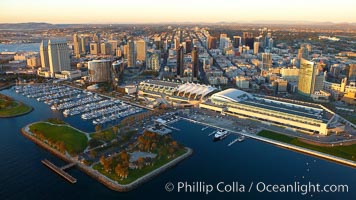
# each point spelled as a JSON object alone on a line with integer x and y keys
{"x": 160, "y": 11}
{"x": 186, "y": 99}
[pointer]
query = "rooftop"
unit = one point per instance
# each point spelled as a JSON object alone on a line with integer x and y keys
{"x": 238, "y": 96}
{"x": 163, "y": 83}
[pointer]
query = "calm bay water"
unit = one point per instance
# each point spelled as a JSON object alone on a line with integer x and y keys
{"x": 20, "y": 47}
{"x": 23, "y": 176}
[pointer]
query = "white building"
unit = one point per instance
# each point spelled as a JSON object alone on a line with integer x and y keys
{"x": 58, "y": 55}
{"x": 44, "y": 54}
{"x": 304, "y": 118}
{"x": 68, "y": 74}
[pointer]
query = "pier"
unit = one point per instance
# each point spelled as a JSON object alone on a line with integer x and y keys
{"x": 212, "y": 133}
{"x": 233, "y": 142}
{"x": 60, "y": 170}
{"x": 171, "y": 127}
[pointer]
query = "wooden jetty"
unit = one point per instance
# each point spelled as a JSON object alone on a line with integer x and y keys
{"x": 60, "y": 170}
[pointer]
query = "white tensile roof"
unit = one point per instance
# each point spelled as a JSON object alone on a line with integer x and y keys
{"x": 231, "y": 94}
{"x": 192, "y": 88}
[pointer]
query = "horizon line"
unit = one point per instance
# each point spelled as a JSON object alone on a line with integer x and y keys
{"x": 189, "y": 22}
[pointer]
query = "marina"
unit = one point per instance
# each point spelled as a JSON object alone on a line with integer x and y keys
{"x": 70, "y": 101}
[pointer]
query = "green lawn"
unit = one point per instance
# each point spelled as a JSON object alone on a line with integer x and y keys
{"x": 15, "y": 108}
{"x": 347, "y": 152}
{"x": 105, "y": 135}
{"x": 134, "y": 174}
{"x": 75, "y": 142}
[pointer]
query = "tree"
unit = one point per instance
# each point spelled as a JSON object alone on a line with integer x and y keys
{"x": 170, "y": 151}
{"x": 102, "y": 160}
{"x": 118, "y": 170}
{"x": 107, "y": 165}
{"x": 115, "y": 129}
{"x": 140, "y": 162}
{"x": 62, "y": 147}
{"x": 124, "y": 156}
{"x": 174, "y": 144}
{"x": 147, "y": 146}
{"x": 97, "y": 128}
{"x": 153, "y": 146}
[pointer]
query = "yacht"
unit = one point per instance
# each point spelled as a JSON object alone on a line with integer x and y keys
{"x": 221, "y": 134}
{"x": 241, "y": 138}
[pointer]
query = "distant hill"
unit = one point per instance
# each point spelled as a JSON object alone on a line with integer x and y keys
{"x": 29, "y": 25}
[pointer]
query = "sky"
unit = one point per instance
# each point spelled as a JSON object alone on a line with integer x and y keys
{"x": 161, "y": 11}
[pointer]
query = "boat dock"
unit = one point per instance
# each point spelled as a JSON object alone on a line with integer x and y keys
{"x": 233, "y": 142}
{"x": 204, "y": 128}
{"x": 60, "y": 170}
{"x": 171, "y": 127}
{"x": 212, "y": 133}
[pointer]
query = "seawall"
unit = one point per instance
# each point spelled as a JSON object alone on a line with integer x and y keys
{"x": 113, "y": 185}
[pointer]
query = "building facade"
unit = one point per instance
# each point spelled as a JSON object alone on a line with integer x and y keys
{"x": 99, "y": 71}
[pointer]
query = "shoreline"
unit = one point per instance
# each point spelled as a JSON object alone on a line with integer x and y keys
{"x": 20, "y": 114}
{"x": 111, "y": 184}
{"x": 318, "y": 154}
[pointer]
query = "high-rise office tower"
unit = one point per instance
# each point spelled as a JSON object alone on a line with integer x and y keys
{"x": 126, "y": 50}
{"x": 184, "y": 46}
{"x": 158, "y": 43}
{"x": 180, "y": 36}
{"x": 77, "y": 46}
{"x": 247, "y": 39}
{"x": 188, "y": 46}
{"x": 131, "y": 54}
{"x": 236, "y": 41}
{"x": 211, "y": 42}
{"x": 105, "y": 48}
{"x": 113, "y": 45}
{"x": 310, "y": 80}
{"x": 270, "y": 43}
{"x": 195, "y": 62}
{"x": 118, "y": 52}
{"x": 94, "y": 48}
{"x": 266, "y": 61}
{"x": 141, "y": 50}
{"x": 267, "y": 40}
{"x": 180, "y": 61}
{"x": 223, "y": 38}
{"x": 85, "y": 44}
{"x": 303, "y": 51}
{"x": 58, "y": 54}
{"x": 256, "y": 46}
{"x": 351, "y": 72}
{"x": 176, "y": 43}
{"x": 97, "y": 39}
{"x": 152, "y": 61}
{"x": 44, "y": 54}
